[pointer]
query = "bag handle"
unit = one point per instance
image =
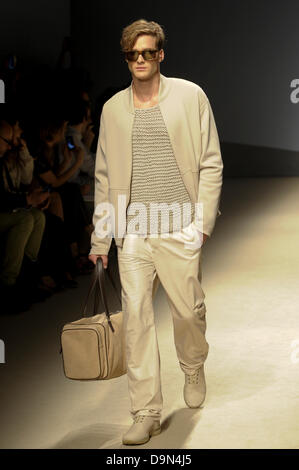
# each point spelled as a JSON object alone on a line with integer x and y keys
{"x": 99, "y": 283}
{"x": 100, "y": 277}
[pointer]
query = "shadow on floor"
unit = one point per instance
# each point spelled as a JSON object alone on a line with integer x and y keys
{"x": 176, "y": 428}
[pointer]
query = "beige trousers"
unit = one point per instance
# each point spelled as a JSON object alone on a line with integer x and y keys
{"x": 176, "y": 262}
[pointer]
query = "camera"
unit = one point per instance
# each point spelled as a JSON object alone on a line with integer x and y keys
{"x": 70, "y": 142}
{"x": 47, "y": 188}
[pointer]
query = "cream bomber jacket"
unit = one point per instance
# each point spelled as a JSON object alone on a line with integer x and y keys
{"x": 192, "y": 131}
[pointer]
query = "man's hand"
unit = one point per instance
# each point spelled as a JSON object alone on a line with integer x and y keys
{"x": 79, "y": 154}
{"x": 200, "y": 236}
{"x": 23, "y": 144}
{"x": 94, "y": 258}
{"x": 44, "y": 205}
{"x": 67, "y": 153}
{"x": 204, "y": 237}
{"x": 37, "y": 197}
{"x": 85, "y": 189}
{"x": 88, "y": 136}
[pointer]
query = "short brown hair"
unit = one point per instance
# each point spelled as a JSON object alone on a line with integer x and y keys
{"x": 131, "y": 32}
{"x": 49, "y": 127}
{"x": 4, "y": 125}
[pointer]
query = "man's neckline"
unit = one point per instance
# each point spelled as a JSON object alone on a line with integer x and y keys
{"x": 144, "y": 109}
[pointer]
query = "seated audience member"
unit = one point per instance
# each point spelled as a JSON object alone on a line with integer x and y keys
{"x": 57, "y": 265}
{"x": 50, "y": 170}
{"x": 18, "y": 160}
{"x": 66, "y": 57}
{"x": 81, "y": 134}
{"x": 22, "y": 225}
{"x": 55, "y": 260}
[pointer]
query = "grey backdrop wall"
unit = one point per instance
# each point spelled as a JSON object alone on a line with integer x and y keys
{"x": 34, "y": 29}
{"x": 243, "y": 54}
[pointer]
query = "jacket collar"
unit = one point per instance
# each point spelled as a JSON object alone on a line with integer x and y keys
{"x": 163, "y": 91}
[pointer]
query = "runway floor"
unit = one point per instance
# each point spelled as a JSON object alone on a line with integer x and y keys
{"x": 251, "y": 282}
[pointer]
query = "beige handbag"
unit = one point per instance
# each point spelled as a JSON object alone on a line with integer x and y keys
{"x": 93, "y": 348}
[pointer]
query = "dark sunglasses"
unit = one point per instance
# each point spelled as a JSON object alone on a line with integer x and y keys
{"x": 9, "y": 142}
{"x": 147, "y": 54}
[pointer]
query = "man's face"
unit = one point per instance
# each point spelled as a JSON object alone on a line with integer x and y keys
{"x": 6, "y": 136}
{"x": 60, "y": 135}
{"x": 86, "y": 121}
{"x": 17, "y": 132}
{"x": 142, "y": 69}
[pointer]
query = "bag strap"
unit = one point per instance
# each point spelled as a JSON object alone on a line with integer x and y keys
{"x": 105, "y": 272}
{"x": 98, "y": 283}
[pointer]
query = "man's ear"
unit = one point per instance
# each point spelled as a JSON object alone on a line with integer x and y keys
{"x": 161, "y": 55}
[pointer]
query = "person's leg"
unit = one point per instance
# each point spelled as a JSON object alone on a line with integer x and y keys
{"x": 54, "y": 256}
{"x": 76, "y": 217}
{"x": 18, "y": 227}
{"x": 179, "y": 270}
{"x": 77, "y": 223}
{"x": 34, "y": 241}
{"x": 55, "y": 207}
{"x": 137, "y": 274}
{"x": 29, "y": 279}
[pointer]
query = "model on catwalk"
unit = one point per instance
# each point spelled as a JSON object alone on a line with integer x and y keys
{"x": 158, "y": 150}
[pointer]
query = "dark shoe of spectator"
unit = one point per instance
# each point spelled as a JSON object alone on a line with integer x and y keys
{"x": 68, "y": 282}
{"x": 34, "y": 293}
{"x": 29, "y": 282}
{"x": 48, "y": 284}
{"x": 65, "y": 281}
{"x": 39, "y": 294}
{"x": 84, "y": 265}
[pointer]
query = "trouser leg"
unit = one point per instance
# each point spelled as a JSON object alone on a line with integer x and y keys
{"x": 76, "y": 217}
{"x": 55, "y": 255}
{"x": 156, "y": 284}
{"x": 179, "y": 270}
{"x": 34, "y": 241}
{"x": 18, "y": 227}
{"x": 137, "y": 274}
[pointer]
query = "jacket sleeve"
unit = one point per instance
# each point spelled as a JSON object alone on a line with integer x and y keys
{"x": 210, "y": 169}
{"x": 99, "y": 245}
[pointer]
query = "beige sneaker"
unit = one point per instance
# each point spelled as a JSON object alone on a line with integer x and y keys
{"x": 141, "y": 430}
{"x": 195, "y": 388}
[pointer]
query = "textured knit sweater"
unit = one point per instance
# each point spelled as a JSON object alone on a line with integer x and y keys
{"x": 156, "y": 179}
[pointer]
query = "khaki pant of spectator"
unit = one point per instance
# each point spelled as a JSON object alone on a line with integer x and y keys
{"x": 143, "y": 262}
{"x": 23, "y": 231}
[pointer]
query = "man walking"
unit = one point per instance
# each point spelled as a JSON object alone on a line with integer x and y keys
{"x": 158, "y": 150}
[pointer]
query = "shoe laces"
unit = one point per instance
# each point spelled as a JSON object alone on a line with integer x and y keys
{"x": 193, "y": 379}
{"x": 139, "y": 419}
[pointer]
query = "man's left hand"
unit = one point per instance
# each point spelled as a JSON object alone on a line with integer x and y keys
{"x": 204, "y": 237}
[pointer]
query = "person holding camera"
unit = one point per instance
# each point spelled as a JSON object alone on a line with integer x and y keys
{"x": 79, "y": 134}
{"x": 54, "y": 270}
{"x": 51, "y": 170}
